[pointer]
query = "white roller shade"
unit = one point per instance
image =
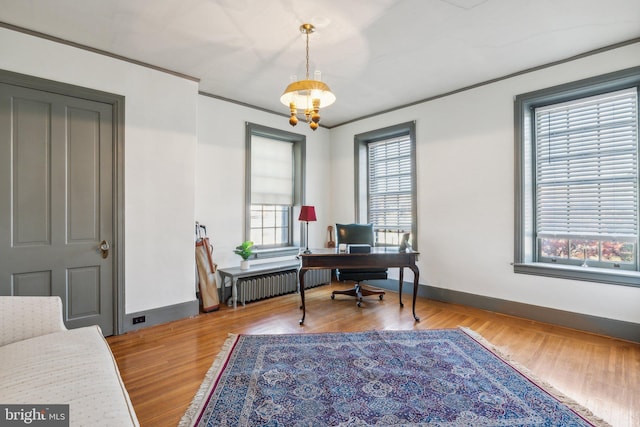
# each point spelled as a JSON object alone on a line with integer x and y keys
{"x": 271, "y": 171}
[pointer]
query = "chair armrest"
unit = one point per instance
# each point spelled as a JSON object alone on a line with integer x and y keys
{"x": 26, "y": 317}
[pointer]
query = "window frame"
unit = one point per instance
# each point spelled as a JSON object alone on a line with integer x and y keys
{"x": 361, "y": 169}
{"x": 299, "y": 178}
{"x": 525, "y": 256}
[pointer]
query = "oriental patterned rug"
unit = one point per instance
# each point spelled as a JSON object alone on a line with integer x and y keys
{"x": 448, "y": 377}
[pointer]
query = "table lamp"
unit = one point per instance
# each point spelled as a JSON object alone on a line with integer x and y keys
{"x": 307, "y": 213}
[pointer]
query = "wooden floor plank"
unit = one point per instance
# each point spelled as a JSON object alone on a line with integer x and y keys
{"x": 162, "y": 366}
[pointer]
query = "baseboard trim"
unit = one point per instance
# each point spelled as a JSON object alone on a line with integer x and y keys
{"x": 160, "y": 315}
{"x": 598, "y": 325}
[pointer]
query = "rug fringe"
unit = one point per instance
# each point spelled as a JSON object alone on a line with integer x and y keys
{"x": 199, "y": 398}
{"x": 575, "y": 406}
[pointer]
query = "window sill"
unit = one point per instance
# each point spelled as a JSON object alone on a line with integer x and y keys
{"x": 588, "y": 274}
{"x": 276, "y": 252}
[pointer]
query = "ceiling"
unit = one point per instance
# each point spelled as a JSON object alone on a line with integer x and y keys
{"x": 376, "y": 55}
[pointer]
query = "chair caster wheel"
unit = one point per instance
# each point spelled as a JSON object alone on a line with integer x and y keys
{"x": 381, "y": 297}
{"x": 359, "y": 304}
{"x": 333, "y": 296}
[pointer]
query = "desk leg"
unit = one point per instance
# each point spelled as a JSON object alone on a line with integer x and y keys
{"x": 301, "y": 281}
{"x": 416, "y": 276}
{"x": 400, "y": 285}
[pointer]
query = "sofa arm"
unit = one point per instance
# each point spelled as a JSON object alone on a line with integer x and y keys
{"x": 27, "y": 317}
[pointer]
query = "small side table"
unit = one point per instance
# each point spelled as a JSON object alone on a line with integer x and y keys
{"x": 235, "y": 273}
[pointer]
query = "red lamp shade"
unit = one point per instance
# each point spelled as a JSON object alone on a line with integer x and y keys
{"x": 307, "y": 213}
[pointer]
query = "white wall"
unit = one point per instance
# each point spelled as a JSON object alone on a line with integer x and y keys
{"x": 220, "y": 173}
{"x": 159, "y": 160}
{"x": 465, "y": 162}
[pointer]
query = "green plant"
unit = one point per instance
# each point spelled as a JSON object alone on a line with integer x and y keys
{"x": 244, "y": 249}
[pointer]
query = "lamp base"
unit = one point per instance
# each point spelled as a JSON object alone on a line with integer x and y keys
{"x": 307, "y": 251}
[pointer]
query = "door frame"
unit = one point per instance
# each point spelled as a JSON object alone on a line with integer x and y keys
{"x": 117, "y": 103}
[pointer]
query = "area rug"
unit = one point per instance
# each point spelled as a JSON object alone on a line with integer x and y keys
{"x": 449, "y": 377}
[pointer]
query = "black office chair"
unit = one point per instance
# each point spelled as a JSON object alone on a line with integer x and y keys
{"x": 358, "y": 234}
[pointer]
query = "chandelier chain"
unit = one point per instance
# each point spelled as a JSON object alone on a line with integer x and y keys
{"x": 307, "y": 55}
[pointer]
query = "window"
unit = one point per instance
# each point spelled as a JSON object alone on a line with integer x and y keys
{"x": 386, "y": 183}
{"x": 274, "y": 185}
{"x": 577, "y": 203}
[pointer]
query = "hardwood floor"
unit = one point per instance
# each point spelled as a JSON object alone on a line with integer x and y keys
{"x": 163, "y": 366}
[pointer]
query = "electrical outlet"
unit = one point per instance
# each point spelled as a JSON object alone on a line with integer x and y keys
{"x": 139, "y": 319}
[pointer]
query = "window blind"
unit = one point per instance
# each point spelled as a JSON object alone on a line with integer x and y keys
{"x": 587, "y": 167}
{"x": 271, "y": 171}
{"x": 390, "y": 183}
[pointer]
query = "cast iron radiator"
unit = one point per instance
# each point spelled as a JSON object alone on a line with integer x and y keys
{"x": 280, "y": 283}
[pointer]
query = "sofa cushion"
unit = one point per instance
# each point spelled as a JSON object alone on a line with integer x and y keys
{"x": 73, "y": 367}
{"x": 26, "y": 317}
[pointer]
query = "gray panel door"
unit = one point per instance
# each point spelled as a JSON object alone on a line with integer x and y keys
{"x": 56, "y": 198}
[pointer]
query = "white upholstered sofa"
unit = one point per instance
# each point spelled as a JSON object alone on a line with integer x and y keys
{"x": 41, "y": 362}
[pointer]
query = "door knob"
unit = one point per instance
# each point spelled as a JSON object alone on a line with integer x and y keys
{"x": 104, "y": 248}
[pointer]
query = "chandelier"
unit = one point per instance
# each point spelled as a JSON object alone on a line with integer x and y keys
{"x": 307, "y": 95}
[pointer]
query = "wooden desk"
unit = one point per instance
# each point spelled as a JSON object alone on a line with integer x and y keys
{"x": 379, "y": 257}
